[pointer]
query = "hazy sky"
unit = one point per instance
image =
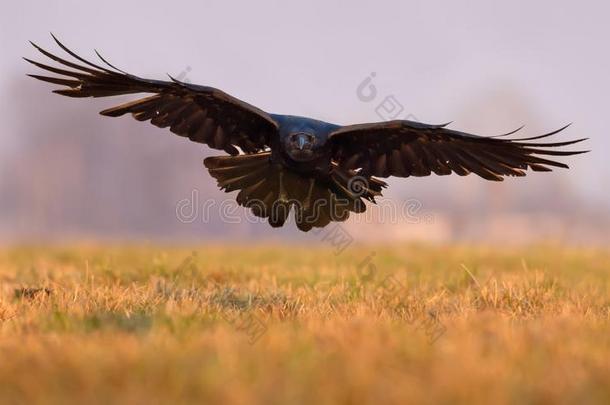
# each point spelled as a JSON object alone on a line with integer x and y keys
{"x": 443, "y": 61}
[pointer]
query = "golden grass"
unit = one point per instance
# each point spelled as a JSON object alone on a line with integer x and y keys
{"x": 288, "y": 325}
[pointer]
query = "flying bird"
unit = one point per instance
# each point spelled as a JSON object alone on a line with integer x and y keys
{"x": 282, "y": 163}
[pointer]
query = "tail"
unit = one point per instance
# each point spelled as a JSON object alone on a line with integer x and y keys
{"x": 272, "y": 191}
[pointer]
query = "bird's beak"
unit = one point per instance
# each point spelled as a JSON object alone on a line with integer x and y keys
{"x": 301, "y": 142}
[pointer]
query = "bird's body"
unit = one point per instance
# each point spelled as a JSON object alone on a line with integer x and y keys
{"x": 283, "y": 163}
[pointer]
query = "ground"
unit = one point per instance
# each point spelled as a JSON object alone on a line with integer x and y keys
{"x": 292, "y": 325}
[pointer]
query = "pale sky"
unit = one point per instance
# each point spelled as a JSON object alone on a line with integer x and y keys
{"x": 443, "y": 61}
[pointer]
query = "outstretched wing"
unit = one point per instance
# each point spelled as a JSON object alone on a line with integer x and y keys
{"x": 203, "y": 114}
{"x": 407, "y": 148}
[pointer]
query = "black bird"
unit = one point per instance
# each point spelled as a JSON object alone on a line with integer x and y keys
{"x": 280, "y": 163}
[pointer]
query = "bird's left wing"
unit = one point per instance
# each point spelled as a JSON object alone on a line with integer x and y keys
{"x": 406, "y": 148}
{"x": 203, "y": 114}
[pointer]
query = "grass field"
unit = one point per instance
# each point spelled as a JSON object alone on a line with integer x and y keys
{"x": 288, "y": 325}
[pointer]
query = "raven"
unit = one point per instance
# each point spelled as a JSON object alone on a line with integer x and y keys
{"x": 280, "y": 163}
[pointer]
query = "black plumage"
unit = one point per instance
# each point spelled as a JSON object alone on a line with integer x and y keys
{"x": 283, "y": 163}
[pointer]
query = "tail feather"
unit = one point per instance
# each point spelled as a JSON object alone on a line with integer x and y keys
{"x": 271, "y": 191}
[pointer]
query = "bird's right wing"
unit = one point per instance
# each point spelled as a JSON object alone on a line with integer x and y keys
{"x": 407, "y": 148}
{"x": 203, "y": 114}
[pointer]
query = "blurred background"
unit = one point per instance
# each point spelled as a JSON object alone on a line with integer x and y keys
{"x": 68, "y": 173}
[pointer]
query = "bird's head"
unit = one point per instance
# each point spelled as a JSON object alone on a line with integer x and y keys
{"x": 300, "y": 146}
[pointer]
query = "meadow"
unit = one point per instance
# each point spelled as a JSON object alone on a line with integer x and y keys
{"x": 281, "y": 324}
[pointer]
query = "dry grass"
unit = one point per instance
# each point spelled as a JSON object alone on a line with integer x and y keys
{"x": 283, "y": 325}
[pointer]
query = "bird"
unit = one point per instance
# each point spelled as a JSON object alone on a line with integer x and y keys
{"x": 280, "y": 164}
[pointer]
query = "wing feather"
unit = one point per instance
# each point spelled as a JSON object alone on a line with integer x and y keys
{"x": 203, "y": 114}
{"x": 407, "y": 148}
